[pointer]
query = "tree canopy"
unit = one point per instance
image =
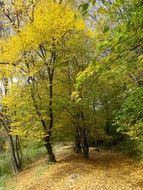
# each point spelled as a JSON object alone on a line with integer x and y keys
{"x": 71, "y": 71}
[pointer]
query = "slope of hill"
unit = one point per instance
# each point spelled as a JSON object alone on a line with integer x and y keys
{"x": 105, "y": 170}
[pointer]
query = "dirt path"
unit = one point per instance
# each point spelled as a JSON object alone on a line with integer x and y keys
{"x": 105, "y": 170}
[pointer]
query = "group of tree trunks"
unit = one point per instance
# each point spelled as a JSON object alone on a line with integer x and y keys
{"x": 81, "y": 141}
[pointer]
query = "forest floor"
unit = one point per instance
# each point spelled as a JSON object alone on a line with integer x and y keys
{"x": 104, "y": 170}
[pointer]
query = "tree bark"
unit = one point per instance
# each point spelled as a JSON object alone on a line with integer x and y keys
{"x": 47, "y": 130}
{"x": 49, "y": 149}
{"x": 82, "y": 134}
{"x": 51, "y": 115}
{"x": 16, "y": 162}
{"x": 77, "y": 141}
{"x": 85, "y": 146}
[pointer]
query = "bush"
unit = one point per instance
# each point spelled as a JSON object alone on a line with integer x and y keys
{"x": 33, "y": 153}
{"x": 5, "y": 164}
{"x": 133, "y": 148}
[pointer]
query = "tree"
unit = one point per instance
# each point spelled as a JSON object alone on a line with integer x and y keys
{"x": 118, "y": 53}
{"x": 39, "y": 47}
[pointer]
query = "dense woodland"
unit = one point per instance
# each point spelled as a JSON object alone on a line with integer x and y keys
{"x": 71, "y": 71}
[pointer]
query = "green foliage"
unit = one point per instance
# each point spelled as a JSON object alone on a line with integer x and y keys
{"x": 131, "y": 147}
{"x": 129, "y": 118}
{"x": 116, "y": 72}
{"x": 5, "y": 166}
{"x": 31, "y": 152}
{"x": 93, "y": 67}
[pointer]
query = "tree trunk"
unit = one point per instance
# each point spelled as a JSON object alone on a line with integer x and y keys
{"x": 77, "y": 147}
{"x": 49, "y": 149}
{"x": 47, "y": 131}
{"x": 18, "y": 151}
{"x": 84, "y": 142}
{"x": 51, "y": 115}
{"x": 14, "y": 144}
{"x": 81, "y": 135}
{"x": 16, "y": 161}
{"x": 85, "y": 146}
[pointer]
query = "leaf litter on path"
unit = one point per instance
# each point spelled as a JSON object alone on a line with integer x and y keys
{"x": 104, "y": 170}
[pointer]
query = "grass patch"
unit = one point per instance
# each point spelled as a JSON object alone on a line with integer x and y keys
{"x": 30, "y": 154}
{"x": 5, "y": 164}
